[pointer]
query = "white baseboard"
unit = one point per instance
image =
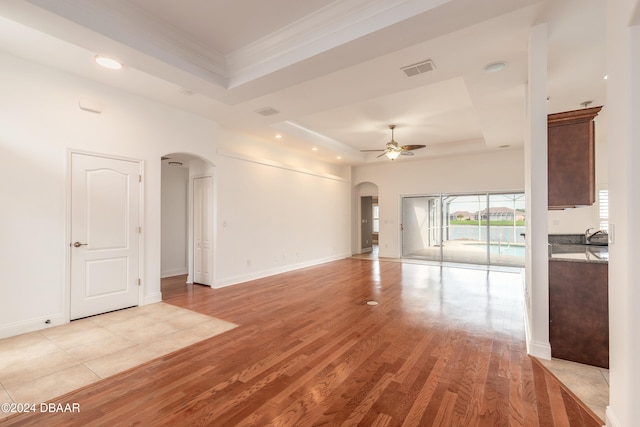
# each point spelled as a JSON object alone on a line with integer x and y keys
{"x": 173, "y": 272}
{"x": 611, "y": 419}
{"x": 32, "y": 325}
{"x": 153, "y": 298}
{"x": 229, "y": 281}
{"x": 541, "y": 350}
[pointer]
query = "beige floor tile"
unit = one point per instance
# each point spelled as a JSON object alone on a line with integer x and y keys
{"x": 4, "y": 398}
{"x": 159, "y": 310}
{"x": 121, "y": 361}
{"x": 46, "y": 388}
{"x": 115, "y": 316}
{"x": 213, "y": 327}
{"x": 174, "y": 341}
{"x": 93, "y": 350}
{"x": 86, "y": 333}
{"x": 23, "y": 348}
{"x": 69, "y": 328}
{"x": 187, "y": 320}
{"x": 29, "y": 369}
{"x": 141, "y": 329}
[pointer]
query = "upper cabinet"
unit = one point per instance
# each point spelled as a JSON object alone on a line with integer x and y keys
{"x": 571, "y": 158}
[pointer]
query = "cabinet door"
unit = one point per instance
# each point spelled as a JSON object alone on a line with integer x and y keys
{"x": 579, "y": 312}
{"x": 571, "y": 158}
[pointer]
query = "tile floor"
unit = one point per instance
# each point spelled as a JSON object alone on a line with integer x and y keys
{"x": 39, "y": 366}
{"x": 589, "y": 383}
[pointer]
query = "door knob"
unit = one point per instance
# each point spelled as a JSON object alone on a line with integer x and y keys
{"x": 78, "y": 244}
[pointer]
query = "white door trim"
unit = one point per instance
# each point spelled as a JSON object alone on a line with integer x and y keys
{"x": 66, "y": 294}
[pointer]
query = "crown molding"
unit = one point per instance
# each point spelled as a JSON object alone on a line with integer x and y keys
{"x": 333, "y": 25}
{"x": 123, "y": 22}
{"x": 329, "y": 27}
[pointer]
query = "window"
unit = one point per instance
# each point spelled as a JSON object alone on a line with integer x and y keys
{"x": 603, "y": 203}
{"x": 376, "y": 219}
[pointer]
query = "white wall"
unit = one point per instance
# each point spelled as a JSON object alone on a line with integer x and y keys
{"x": 175, "y": 183}
{"x": 270, "y": 217}
{"x": 271, "y": 212}
{"x": 501, "y": 170}
{"x": 623, "y": 104}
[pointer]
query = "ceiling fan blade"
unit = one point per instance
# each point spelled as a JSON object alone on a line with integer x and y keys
{"x": 364, "y": 151}
{"x": 407, "y": 153}
{"x": 411, "y": 147}
{"x": 385, "y": 152}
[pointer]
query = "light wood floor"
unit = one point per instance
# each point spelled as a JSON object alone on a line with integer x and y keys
{"x": 444, "y": 347}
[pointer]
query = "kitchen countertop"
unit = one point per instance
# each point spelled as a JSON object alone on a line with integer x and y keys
{"x": 579, "y": 253}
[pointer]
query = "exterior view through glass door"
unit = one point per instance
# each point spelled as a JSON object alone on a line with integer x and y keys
{"x": 466, "y": 228}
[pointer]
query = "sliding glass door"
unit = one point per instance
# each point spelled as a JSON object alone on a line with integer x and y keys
{"x": 464, "y": 234}
{"x": 421, "y": 227}
{"x": 466, "y": 228}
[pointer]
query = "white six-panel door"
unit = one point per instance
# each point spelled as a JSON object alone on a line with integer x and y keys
{"x": 202, "y": 230}
{"x": 105, "y": 221}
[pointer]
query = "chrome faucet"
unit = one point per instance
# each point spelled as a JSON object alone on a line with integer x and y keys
{"x": 588, "y": 237}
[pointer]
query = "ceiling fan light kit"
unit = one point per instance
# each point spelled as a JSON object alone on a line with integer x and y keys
{"x": 393, "y": 149}
{"x": 392, "y": 155}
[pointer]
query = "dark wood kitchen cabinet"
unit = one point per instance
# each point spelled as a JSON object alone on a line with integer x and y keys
{"x": 579, "y": 312}
{"x": 571, "y": 158}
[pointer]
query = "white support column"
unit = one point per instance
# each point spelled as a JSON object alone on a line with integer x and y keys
{"x": 623, "y": 136}
{"x": 537, "y": 256}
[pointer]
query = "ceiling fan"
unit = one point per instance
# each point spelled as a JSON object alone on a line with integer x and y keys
{"x": 393, "y": 149}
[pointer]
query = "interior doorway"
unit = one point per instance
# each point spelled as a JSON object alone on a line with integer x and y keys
{"x": 105, "y": 229}
{"x": 366, "y": 205}
{"x": 188, "y": 225}
{"x": 366, "y": 223}
{"x": 202, "y": 230}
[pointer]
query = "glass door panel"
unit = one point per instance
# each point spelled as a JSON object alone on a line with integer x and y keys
{"x": 421, "y": 227}
{"x": 507, "y": 223}
{"x": 464, "y": 234}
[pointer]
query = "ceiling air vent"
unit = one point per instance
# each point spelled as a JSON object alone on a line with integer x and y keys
{"x": 419, "y": 68}
{"x": 267, "y": 111}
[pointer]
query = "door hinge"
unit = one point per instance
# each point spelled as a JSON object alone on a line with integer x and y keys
{"x": 139, "y": 230}
{"x": 139, "y": 178}
{"x": 139, "y": 282}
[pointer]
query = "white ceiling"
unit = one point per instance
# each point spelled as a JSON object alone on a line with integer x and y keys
{"x": 331, "y": 68}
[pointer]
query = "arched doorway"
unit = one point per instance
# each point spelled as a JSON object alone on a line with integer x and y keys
{"x": 367, "y": 225}
{"x": 187, "y": 218}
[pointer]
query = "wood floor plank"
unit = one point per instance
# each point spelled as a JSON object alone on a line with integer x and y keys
{"x": 444, "y": 346}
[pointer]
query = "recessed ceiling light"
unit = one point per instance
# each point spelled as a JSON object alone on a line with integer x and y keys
{"x": 314, "y": 149}
{"x": 339, "y": 157}
{"x": 278, "y": 136}
{"x": 494, "y": 67}
{"x": 109, "y": 63}
{"x": 605, "y": 77}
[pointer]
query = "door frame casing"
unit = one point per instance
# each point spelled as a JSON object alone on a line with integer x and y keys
{"x": 66, "y": 294}
{"x": 213, "y": 204}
